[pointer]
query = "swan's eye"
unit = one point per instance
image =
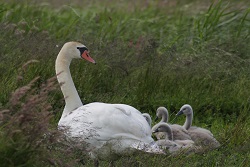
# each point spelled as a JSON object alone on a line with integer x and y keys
{"x": 82, "y": 49}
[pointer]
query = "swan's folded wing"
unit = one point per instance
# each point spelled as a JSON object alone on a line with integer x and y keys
{"x": 180, "y": 133}
{"x": 204, "y": 139}
{"x": 198, "y": 129}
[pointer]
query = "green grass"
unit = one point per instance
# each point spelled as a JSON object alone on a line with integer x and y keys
{"x": 148, "y": 55}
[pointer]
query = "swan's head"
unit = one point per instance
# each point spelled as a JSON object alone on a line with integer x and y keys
{"x": 76, "y": 50}
{"x": 160, "y": 112}
{"x": 186, "y": 110}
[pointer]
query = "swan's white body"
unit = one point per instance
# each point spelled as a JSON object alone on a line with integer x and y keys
{"x": 200, "y": 136}
{"x": 179, "y": 133}
{"x": 110, "y": 130}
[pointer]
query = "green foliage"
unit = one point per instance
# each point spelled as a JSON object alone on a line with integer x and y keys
{"x": 148, "y": 55}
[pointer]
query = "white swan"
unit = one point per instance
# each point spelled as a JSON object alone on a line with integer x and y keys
{"x": 179, "y": 133}
{"x": 110, "y": 130}
{"x": 173, "y": 146}
{"x": 199, "y": 135}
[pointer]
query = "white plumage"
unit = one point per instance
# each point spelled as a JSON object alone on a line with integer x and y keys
{"x": 118, "y": 127}
{"x": 110, "y": 130}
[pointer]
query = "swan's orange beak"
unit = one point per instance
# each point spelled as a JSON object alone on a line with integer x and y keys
{"x": 86, "y": 56}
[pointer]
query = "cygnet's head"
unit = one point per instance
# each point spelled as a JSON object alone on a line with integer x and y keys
{"x": 148, "y": 118}
{"x": 160, "y": 112}
{"x": 163, "y": 127}
{"x": 186, "y": 110}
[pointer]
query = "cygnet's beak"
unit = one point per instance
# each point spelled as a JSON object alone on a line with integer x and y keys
{"x": 179, "y": 113}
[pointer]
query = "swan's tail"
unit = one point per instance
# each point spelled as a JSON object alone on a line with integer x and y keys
{"x": 149, "y": 148}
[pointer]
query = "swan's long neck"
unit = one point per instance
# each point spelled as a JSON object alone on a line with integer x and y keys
{"x": 164, "y": 116}
{"x": 188, "y": 122}
{"x": 169, "y": 132}
{"x": 64, "y": 78}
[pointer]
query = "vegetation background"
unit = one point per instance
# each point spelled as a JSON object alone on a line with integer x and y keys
{"x": 148, "y": 53}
